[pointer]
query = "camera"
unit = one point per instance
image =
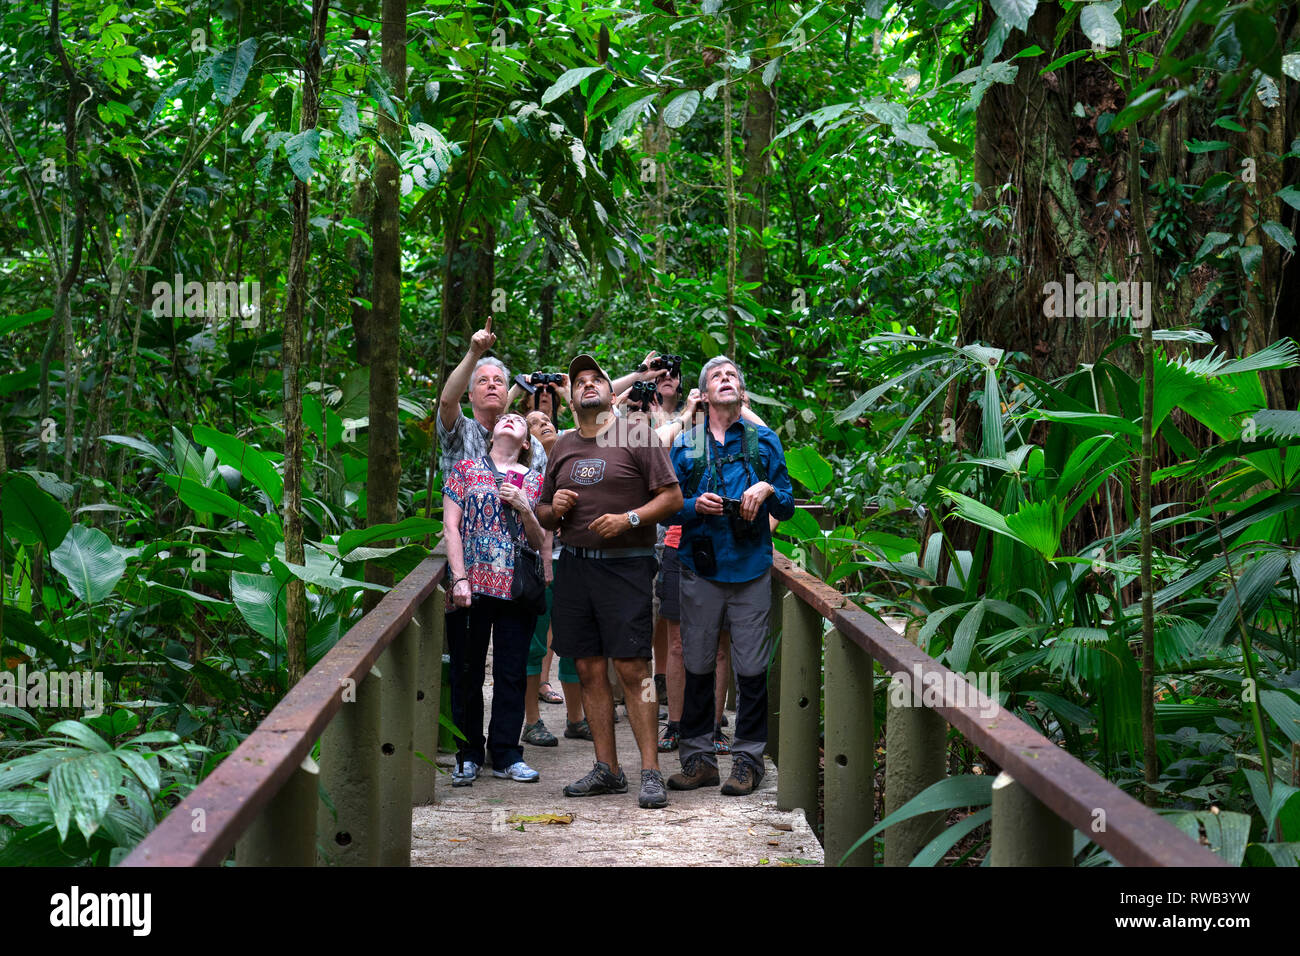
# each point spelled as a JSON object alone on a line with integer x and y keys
{"x": 742, "y": 529}
{"x": 642, "y": 396}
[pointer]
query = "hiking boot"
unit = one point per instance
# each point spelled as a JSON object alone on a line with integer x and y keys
{"x": 744, "y": 777}
{"x": 661, "y": 688}
{"x": 696, "y": 772}
{"x": 600, "y": 780}
{"x": 653, "y": 796}
{"x": 578, "y": 731}
{"x": 670, "y": 737}
{"x": 537, "y": 735}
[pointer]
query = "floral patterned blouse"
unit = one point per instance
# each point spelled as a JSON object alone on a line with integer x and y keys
{"x": 489, "y": 549}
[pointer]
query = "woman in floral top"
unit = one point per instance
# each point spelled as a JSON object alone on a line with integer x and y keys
{"x": 477, "y": 498}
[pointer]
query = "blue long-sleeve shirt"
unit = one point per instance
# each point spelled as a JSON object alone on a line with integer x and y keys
{"x": 737, "y": 561}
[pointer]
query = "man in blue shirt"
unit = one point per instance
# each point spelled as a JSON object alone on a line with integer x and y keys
{"x": 733, "y": 475}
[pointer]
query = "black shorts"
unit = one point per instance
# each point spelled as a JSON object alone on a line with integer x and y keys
{"x": 668, "y": 587}
{"x": 602, "y": 607}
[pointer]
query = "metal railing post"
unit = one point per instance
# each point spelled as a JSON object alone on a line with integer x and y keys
{"x": 850, "y": 741}
{"x": 428, "y": 698}
{"x": 349, "y": 762}
{"x": 284, "y": 834}
{"x": 774, "y": 674}
{"x": 801, "y": 673}
{"x": 1025, "y": 832}
{"x": 916, "y": 749}
{"x": 399, "y": 664}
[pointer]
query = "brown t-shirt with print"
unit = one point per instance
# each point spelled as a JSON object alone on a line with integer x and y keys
{"x": 613, "y": 473}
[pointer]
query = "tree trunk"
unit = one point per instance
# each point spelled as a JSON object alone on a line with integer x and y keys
{"x": 751, "y": 216}
{"x": 383, "y": 466}
{"x": 1025, "y": 134}
{"x": 292, "y": 357}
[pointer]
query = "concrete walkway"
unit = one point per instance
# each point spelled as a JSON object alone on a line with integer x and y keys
{"x": 480, "y": 825}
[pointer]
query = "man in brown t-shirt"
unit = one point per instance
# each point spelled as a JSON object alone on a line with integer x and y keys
{"x": 607, "y": 485}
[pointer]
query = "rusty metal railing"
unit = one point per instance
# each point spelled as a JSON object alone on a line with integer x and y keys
{"x": 1041, "y": 797}
{"x": 373, "y": 701}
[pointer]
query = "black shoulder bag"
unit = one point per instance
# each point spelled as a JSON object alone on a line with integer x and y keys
{"x": 528, "y": 586}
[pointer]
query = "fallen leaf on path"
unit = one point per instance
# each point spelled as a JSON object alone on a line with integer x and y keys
{"x": 457, "y": 840}
{"x": 783, "y": 826}
{"x": 773, "y": 842}
{"x": 540, "y": 818}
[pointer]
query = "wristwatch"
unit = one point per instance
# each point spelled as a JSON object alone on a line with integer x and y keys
{"x": 633, "y": 519}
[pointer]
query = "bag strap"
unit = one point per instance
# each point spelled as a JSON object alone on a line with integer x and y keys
{"x": 749, "y": 454}
{"x": 513, "y": 525}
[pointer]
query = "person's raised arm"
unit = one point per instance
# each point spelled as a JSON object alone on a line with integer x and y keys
{"x": 670, "y": 429}
{"x": 458, "y": 379}
{"x": 643, "y": 374}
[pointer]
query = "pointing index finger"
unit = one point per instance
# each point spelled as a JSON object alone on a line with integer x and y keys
{"x": 487, "y": 326}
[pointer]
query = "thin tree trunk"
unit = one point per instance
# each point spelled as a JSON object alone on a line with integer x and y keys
{"x": 383, "y": 466}
{"x": 731, "y": 199}
{"x": 291, "y": 357}
{"x": 1137, "y": 199}
{"x": 756, "y": 130}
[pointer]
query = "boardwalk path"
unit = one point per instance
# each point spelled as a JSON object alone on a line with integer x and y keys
{"x": 470, "y": 826}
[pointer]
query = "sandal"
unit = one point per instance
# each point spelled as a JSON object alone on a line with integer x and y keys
{"x": 548, "y": 696}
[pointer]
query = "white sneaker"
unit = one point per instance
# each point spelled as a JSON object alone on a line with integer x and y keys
{"x": 466, "y": 775}
{"x": 519, "y": 772}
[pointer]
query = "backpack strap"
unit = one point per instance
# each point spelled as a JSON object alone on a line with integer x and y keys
{"x": 749, "y": 454}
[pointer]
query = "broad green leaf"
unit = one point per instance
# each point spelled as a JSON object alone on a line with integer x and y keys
{"x": 682, "y": 107}
{"x": 1280, "y": 234}
{"x": 1015, "y": 12}
{"x": 1038, "y": 524}
{"x": 801, "y": 525}
{"x": 1254, "y": 583}
{"x": 1284, "y": 711}
{"x": 14, "y": 322}
{"x": 149, "y": 451}
{"x": 407, "y": 528}
{"x": 260, "y": 600}
{"x": 809, "y": 468}
{"x": 949, "y": 793}
{"x": 1098, "y": 23}
{"x": 567, "y": 81}
{"x": 89, "y": 562}
{"x": 31, "y": 514}
{"x": 624, "y": 121}
{"x": 82, "y": 734}
{"x": 349, "y": 122}
{"x": 963, "y": 640}
{"x": 301, "y": 150}
{"x": 82, "y": 788}
{"x": 247, "y": 460}
{"x": 945, "y": 841}
{"x": 230, "y": 70}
